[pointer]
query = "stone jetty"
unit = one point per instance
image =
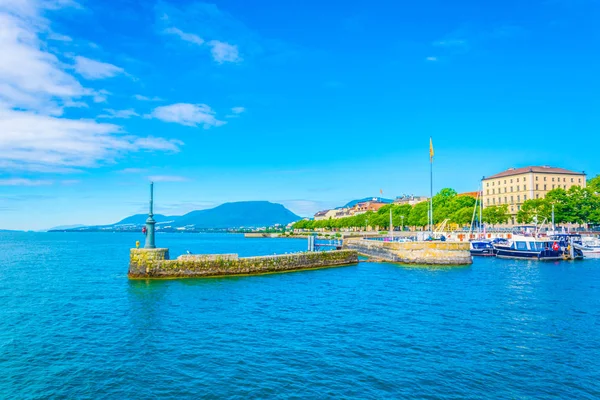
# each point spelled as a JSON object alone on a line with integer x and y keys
{"x": 155, "y": 263}
{"x": 421, "y": 253}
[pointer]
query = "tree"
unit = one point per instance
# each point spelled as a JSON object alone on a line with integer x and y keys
{"x": 534, "y": 210}
{"x": 463, "y": 216}
{"x": 419, "y": 215}
{"x": 594, "y": 184}
{"x": 495, "y": 214}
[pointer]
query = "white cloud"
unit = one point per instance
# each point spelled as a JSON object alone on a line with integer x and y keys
{"x": 24, "y": 182}
{"x": 35, "y": 86}
{"x": 145, "y": 98}
{"x": 31, "y": 77}
{"x": 224, "y": 52}
{"x": 59, "y": 38}
{"x": 167, "y": 178}
{"x": 32, "y": 140}
{"x": 110, "y": 113}
{"x": 188, "y": 37}
{"x": 238, "y": 110}
{"x": 187, "y": 114}
{"x": 92, "y": 69}
{"x": 433, "y": 59}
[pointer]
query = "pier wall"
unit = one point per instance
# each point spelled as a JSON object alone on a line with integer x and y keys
{"x": 422, "y": 253}
{"x": 144, "y": 266}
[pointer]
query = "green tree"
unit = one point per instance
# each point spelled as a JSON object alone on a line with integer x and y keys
{"x": 594, "y": 184}
{"x": 534, "y": 210}
{"x": 419, "y": 215}
{"x": 495, "y": 214}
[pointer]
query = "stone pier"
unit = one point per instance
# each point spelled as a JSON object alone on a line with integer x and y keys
{"x": 421, "y": 253}
{"x": 155, "y": 263}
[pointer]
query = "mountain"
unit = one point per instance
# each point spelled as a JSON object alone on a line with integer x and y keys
{"x": 140, "y": 219}
{"x": 65, "y": 227}
{"x": 243, "y": 214}
{"x": 378, "y": 199}
{"x": 240, "y": 214}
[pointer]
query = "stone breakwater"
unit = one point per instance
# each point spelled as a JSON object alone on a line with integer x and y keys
{"x": 155, "y": 263}
{"x": 421, "y": 253}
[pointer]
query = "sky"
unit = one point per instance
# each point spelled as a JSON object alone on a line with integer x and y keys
{"x": 306, "y": 103}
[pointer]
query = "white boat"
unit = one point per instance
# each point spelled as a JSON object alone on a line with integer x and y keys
{"x": 590, "y": 247}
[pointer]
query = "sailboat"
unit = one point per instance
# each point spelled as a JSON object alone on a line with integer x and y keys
{"x": 480, "y": 247}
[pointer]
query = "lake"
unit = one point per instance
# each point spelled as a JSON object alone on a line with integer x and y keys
{"x": 73, "y": 326}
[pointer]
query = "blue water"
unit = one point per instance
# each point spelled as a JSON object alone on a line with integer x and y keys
{"x": 73, "y": 326}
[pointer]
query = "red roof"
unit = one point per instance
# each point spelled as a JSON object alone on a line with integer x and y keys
{"x": 542, "y": 170}
{"x": 470, "y": 194}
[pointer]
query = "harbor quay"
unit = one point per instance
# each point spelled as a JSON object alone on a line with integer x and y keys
{"x": 417, "y": 253}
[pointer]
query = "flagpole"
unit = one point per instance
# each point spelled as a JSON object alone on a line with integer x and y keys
{"x": 431, "y": 185}
{"x": 431, "y": 195}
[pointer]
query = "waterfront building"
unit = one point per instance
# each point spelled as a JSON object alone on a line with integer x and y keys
{"x": 516, "y": 185}
{"x": 320, "y": 215}
{"x": 474, "y": 195}
{"x": 410, "y": 199}
{"x": 363, "y": 207}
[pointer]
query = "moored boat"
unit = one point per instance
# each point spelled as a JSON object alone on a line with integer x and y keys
{"x": 532, "y": 248}
{"x": 590, "y": 247}
{"x": 482, "y": 248}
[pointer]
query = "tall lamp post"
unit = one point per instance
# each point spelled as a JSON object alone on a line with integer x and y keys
{"x": 402, "y": 218}
{"x": 150, "y": 222}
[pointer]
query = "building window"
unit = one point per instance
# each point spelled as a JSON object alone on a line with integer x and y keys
{"x": 537, "y": 186}
{"x": 537, "y": 195}
{"x": 518, "y": 208}
{"x": 512, "y": 199}
{"x": 552, "y": 186}
{"x": 545, "y": 187}
{"x": 517, "y": 188}
{"x": 505, "y": 181}
{"x": 544, "y": 179}
{"x": 488, "y": 202}
{"x": 505, "y": 199}
{"x": 493, "y": 191}
{"x": 524, "y": 187}
{"x": 552, "y": 179}
{"x": 487, "y": 191}
{"x": 488, "y": 184}
{"x": 565, "y": 187}
{"x": 536, "y": 178}
{"x": 579, "y": 180}
{"x": 493, "y": 201}
{"x": 564, "y": 179}
{"x": 504, "y": 190}
{"x": 524, "y": 197}
{"x": 518, "y": 198}
{"x": 511, "y": 189}
{"x": 511, "y": 181}
{"x": 572, "y": 180}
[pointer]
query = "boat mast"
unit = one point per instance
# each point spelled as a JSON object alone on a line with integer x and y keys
{"x": 480, "y": 210}
{"x": 474, "y": 213}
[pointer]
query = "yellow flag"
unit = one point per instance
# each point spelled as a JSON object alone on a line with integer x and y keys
{"x": 430, "y": 149}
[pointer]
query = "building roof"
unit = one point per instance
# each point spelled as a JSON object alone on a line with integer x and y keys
{"x": 321, "y": 213}
{"x": 540, "y": 170}
{"x": 470, "y": 194}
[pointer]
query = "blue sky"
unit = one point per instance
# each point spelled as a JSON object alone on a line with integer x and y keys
{"x": 309, "y": 103}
